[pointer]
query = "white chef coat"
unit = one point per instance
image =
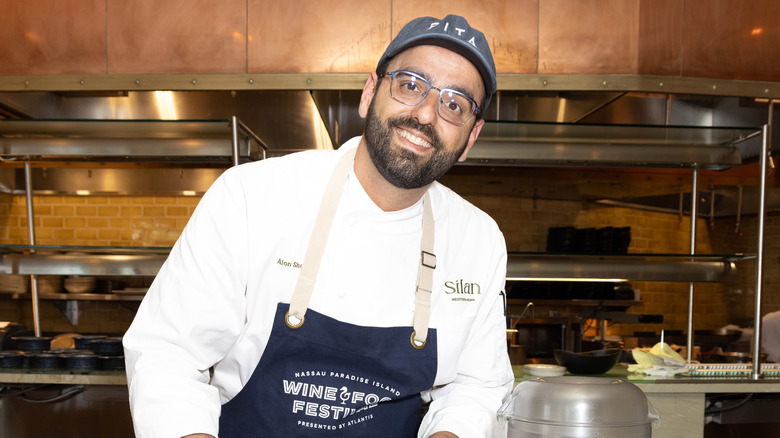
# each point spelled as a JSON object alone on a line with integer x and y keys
{"x": 213, "y": 300}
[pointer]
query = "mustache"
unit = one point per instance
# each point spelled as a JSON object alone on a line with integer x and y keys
{"x": 408, "y": 122}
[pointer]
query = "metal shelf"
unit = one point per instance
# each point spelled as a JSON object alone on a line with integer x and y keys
{"x": 78, "y": 297}
{"x": 81, "y": 260}
{"x": 140, "y": 261}
{"x": 568, "y": 144}
{"x": 628, "y": 267}
{"x": 164, "y": 141}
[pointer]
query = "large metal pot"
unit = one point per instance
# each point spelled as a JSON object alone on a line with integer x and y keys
{"x": 575, "y": 406}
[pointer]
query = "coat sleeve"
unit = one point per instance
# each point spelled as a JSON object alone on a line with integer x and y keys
{"x": 191, "y": 315}
{"x": 468, "y": 405}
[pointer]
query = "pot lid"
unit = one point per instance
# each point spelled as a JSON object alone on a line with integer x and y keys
{"x": 578, "y": 401}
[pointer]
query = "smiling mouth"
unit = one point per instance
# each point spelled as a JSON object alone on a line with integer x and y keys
{"x": 421, "y": 142}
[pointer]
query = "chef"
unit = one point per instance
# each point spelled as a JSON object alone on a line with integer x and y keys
{"x": 340, "y": 293}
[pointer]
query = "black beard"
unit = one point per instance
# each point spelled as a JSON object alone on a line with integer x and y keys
{"x": 401, "y": 167}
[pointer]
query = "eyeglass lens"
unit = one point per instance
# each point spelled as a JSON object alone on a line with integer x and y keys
{"x": 411, "y": 89}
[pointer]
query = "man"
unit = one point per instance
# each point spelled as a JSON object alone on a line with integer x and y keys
{"x": 331, "y": 292}
{"x": 770, "y": 337}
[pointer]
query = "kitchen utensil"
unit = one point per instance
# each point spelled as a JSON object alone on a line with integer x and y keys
{"x": 544, "y": 370}
{"x": 80, "y": 363}
{"x": 517, "y": 354}
{"x": 11, "y": 359}
{"x": 32, "y": 344}
{"x": 80, "y": 285}
{"x": 49, "y": 284}
{"x": 82, "y": 342}
{"x": 576, "y": 406}
{"x": 111, "y": 363}
{"x": 107, "y": 347}
{"x": 589, "y": 362}
{"x": 64, "y": 340}
{"x": 45, "y": 361}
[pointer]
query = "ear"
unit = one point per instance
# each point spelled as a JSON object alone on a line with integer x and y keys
{"x": 472, "y": 138}
{"x": 369, "y": 90}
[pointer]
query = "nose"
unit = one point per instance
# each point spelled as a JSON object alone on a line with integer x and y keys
{"x": 426, "y": 111}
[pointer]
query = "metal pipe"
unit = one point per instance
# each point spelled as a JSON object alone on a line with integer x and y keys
{"x": 694, "y": 216}
{"x": 760, "y": 250}
{"x": 252, "y": 136}
{"x": 31, "y": 237}
{"x": 234, "y": 126}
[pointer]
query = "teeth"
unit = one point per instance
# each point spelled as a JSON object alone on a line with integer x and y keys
{"x": 414, "y": 139}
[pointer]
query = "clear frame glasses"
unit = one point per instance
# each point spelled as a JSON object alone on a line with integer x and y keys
{"x": 411, "y": 89}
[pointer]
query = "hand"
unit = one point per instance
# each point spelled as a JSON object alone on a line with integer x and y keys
{"x": 443, "y": 435}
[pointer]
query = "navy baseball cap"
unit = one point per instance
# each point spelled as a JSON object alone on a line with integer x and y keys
{"x": 451, "y": 32}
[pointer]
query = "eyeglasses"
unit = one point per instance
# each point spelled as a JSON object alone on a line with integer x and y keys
{"x": 411, "y": 89}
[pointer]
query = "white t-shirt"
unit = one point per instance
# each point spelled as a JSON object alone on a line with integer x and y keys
{"x": 214, "y": 299}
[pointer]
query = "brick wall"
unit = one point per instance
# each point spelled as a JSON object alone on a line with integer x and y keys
{"x": 157, "y": 221}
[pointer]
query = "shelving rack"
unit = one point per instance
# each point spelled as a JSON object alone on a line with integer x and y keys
{"x": 61, "y": 143}
{"x": 499, "y": 144}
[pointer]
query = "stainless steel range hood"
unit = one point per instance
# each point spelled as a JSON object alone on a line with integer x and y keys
{"x": 143, "y": 143}
{"x": 568, "y": 144}
{"x": 533, "y": 128}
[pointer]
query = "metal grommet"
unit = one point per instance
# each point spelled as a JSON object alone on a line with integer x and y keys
{"x": 414, "y": 343}
{"x": 294, "y": 326}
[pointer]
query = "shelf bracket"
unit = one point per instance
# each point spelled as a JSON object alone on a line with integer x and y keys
{"x": 69, "y": 308}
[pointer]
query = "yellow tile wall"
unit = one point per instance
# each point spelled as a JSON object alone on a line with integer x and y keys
{"x": 97, "y": 220}
{"x": 89, "y": 221}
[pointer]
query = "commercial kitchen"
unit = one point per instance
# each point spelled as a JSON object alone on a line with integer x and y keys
{"x": 616, "y": 122}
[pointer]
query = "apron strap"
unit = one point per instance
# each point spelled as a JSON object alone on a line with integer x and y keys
{"x": 299, "y": 302}
{"x": 422, "y": 297}
{"x": 301, "y": 296}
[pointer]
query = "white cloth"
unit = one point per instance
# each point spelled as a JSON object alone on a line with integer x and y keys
{"x": 214, "y": 298}
{"x": 770, "y": 336}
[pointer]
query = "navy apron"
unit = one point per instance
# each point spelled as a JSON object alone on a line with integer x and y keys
{"x": 320, "y": 377}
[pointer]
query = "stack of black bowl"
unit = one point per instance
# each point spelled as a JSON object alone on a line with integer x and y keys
{"x": 91, "y": 353}
{"x": 111, "y": 354}
{"x": 36, "y": 354}
{"x": 561, "y": 239}
{"x": 621, "y": 239}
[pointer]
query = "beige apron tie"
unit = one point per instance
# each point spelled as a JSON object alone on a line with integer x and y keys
{"x": 301, "y": 296}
